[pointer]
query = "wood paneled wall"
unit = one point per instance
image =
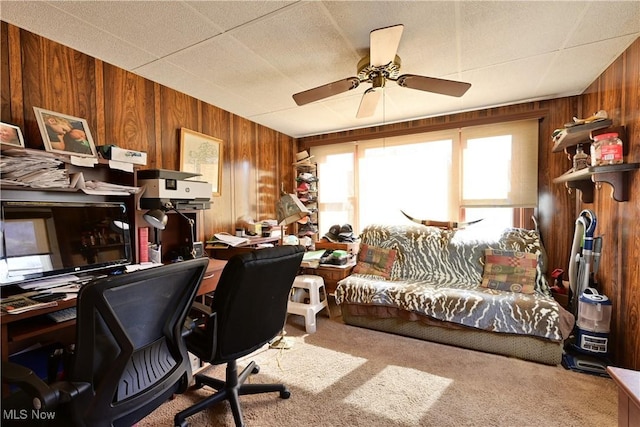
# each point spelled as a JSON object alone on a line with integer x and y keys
{"x": 132, "y": 112}
{"x": 617, "y": 91}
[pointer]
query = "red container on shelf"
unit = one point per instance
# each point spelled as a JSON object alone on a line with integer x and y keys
{"x": 606, "y": 149}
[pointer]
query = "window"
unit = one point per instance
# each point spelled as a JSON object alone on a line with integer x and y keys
{"x": 485, "y": 172}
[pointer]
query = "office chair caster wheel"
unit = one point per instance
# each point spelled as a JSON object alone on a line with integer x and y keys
{"x": 255, "y": 369}
{"x": 285, "y": 394}
{"x": 182, "y": 424}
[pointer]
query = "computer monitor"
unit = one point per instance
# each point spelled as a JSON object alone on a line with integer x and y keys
{"x": 44, "y": 239}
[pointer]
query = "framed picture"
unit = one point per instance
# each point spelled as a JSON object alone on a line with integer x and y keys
{"x": 202, "y": 154}
{"x": 65, "y": 134}
{"x": 11, "y": 135}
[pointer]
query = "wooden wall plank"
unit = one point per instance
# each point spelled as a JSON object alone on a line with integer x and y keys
{"x": 217, "y": 123}
{"x": 267, "y": 174}
{"x": 244, "y": 163}
{"x": 129, "y": 108}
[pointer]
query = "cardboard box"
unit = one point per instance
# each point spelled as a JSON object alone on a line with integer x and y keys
{"x": 352, "y": 248}
{"x": 122, "y": 155}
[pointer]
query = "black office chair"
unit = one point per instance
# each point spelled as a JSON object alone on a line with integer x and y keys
{"x": 130, "y": 355}
{"x": 248, "y": 310}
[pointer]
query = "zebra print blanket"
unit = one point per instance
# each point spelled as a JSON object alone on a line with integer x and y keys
{"x": 438, "y": 273}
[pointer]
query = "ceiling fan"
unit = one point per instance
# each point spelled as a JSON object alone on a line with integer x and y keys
{"x": 380, "y": 65}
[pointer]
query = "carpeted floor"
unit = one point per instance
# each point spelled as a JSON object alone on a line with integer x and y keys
{"x": 348, "y": 376}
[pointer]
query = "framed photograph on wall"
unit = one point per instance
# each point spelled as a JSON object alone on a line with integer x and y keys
{"x": 202, "y": 154}
{"x": 65, "y": 134}
{"x": 11, "y": 135}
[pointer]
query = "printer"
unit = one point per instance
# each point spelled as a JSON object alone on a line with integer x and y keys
{"x": 164, "y": 186}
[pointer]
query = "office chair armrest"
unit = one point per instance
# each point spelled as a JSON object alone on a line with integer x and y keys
{"x": 44, "y": 397}
{"x": 200, "y": 310}
{"x": 201, "y": 341}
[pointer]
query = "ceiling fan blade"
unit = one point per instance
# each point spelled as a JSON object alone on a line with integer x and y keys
{"x": 326, "y": 91}
{"x": 431, "y": 84}
{"x": 369, "y": 102}
{"x": 383, "y": 44}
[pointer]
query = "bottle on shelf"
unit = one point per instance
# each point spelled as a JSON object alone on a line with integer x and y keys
{"x": 580, "y": 159}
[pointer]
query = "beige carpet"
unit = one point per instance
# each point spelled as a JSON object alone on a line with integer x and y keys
{"x": 348, "y": 376}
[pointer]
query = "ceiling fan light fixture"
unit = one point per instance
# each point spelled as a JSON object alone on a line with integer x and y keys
{"x": 381, "y": 64}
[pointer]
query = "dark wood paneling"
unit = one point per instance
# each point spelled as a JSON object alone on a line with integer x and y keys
{"x": 177, "y": 110}
{"x": 244, "y": 153}
{"x": 5, "y": 92}
{"x": 128, "y": 110}
{"x": 267, "y": 174}
{"x": 629, "y": 350}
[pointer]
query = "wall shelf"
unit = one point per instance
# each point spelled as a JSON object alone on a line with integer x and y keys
{"x": 578, "y": 134}
{"x": 614, "y": 175}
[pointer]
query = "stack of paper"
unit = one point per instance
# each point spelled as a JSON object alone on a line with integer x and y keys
{"x": 227, "y": 240}
{"x": 105, "y": 188}
{"x": 37, "y": 169}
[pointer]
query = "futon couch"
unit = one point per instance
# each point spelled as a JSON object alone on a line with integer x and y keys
{"x": 476, "y": 288}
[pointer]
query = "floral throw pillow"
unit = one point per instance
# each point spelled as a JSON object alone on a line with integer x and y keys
{"x": 511, "y": 271}
{"x": 374, "y": 260}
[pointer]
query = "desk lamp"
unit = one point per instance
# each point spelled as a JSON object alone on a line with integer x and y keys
{"x": 158, "y": 219}
{"x": 289, "y": 209}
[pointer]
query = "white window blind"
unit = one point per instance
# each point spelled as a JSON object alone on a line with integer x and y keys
{"x": 500, "y": 165}
{"x": 430, "y": 176}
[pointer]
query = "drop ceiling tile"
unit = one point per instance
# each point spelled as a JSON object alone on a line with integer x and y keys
{"x": 606, "y": 20}
{"x": 38, "y": 17}
{"x": 572, "y": 71}
{"x": 498, "y": 32}
{"x": 310, "y": 53}
{"x": 230, "y": 14}
{"x": 166, "y": 26}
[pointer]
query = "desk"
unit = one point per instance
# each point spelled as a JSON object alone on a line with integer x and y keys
{"x": 19, "y": 331}
{"x": 251, "y": 245}
{"x": 628, "y": 383}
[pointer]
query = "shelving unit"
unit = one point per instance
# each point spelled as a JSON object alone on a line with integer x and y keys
{"x": 307, "y": 192}
{"x": 614, "y": 175}
{"x": 579, "y": 134}
{"x": 585, "y": 179}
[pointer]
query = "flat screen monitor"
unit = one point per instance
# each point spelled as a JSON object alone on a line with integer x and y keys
{"x": 45, "y": 239}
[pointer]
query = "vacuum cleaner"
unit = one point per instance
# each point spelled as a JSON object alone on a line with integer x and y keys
{"x": 586, "y": 350}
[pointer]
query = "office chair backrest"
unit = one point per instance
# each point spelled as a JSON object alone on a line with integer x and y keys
{"x": 129, "y": 343}
{"x": 251, "y": 298}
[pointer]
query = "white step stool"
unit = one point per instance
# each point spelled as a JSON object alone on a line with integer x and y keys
{"x": 312, "y": 288}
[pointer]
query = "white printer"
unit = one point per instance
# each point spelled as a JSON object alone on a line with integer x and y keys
{"x": 164, "y": 186}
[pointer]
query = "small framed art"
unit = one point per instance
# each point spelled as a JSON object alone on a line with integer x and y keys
{"x": 202, "y": 154}
{"x": 65, "y": 134}
{"x": 11, "y": 135}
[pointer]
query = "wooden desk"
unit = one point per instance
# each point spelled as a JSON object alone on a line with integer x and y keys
{"x": 251, "y": 245}
{"x": 19, "y": 331}
{"x": 628, "y": 395}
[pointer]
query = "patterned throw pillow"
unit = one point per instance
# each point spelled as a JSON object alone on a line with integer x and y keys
{"x": 510, "y": 271}
{"x": 374, "y": 260}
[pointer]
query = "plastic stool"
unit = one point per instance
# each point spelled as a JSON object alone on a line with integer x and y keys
{"x": 312, "y": 288}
